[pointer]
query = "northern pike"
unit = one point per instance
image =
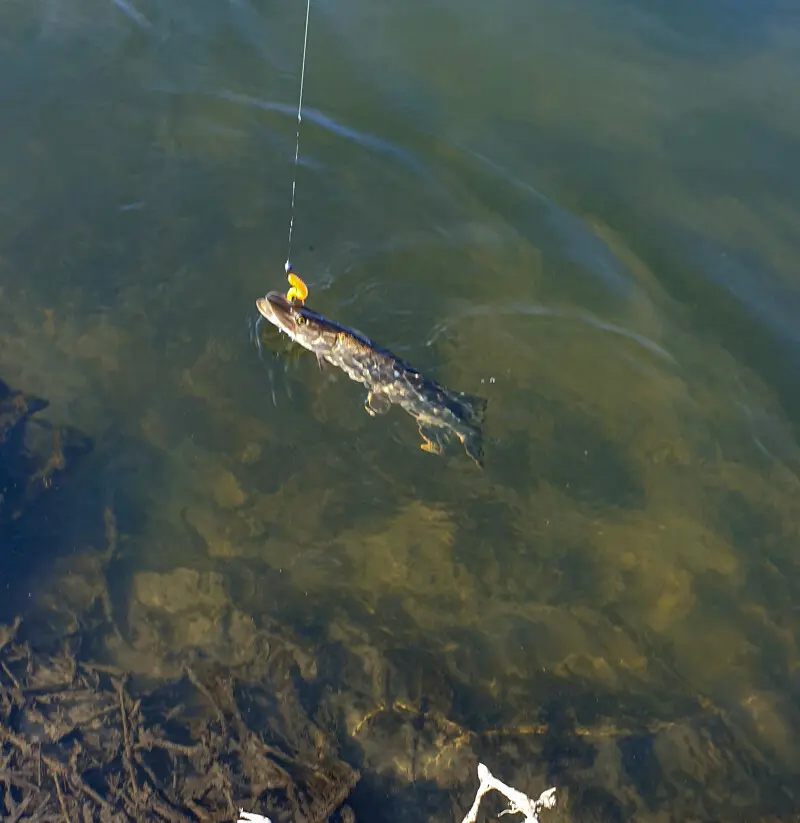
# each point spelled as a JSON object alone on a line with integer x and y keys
{"x": 438, "y": 412}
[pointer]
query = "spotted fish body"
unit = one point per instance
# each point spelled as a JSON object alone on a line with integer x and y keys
{"x": 439, "y": 413}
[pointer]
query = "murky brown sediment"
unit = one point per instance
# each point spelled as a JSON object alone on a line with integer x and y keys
{"x": 286, "y": 728}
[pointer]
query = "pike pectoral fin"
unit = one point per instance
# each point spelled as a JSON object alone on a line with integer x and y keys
{"x": 432, "y": 441}
{"x": 377, "y": 403}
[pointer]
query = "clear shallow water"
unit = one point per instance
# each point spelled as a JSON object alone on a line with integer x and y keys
{"x": 586, "y": 212}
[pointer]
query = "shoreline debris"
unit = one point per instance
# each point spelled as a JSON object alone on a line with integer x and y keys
{"x": 84, "y": 741}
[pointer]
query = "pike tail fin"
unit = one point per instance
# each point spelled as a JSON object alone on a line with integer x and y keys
{"x": 474, "y": 412}
{"x": 473, "y": 446}
{"x": 35, "y": 404}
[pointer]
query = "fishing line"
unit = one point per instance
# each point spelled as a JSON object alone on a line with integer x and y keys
{"x": 297, "y": 145}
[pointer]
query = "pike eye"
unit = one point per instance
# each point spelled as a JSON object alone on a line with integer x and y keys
{"x": 299, "y": 319}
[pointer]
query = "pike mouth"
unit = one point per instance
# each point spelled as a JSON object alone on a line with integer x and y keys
{"x": 278, "y": 310}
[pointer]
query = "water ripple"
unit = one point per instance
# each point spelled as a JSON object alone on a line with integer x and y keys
{"x": 580, "y": 245}
{"x": 364, "y": 139}
{"x": 538, "y": 310}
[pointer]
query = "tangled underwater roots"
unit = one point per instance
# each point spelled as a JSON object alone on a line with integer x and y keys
{"x": 78, "y": 743}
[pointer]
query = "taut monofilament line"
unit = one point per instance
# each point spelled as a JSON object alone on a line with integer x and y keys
{"x": 297, "y": 144}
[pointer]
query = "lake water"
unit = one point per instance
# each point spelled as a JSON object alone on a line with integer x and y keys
{"x": 586, "y": 211}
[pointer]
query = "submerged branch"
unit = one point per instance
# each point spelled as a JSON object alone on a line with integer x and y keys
{"x": 519, "y": 803}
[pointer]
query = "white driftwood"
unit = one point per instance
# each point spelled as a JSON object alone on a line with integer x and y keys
{"x": 519, "y": 803}
{"x": 250, "y": 817}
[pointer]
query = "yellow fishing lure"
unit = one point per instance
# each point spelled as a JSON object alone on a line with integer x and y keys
{"x": 298, "y": 291}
